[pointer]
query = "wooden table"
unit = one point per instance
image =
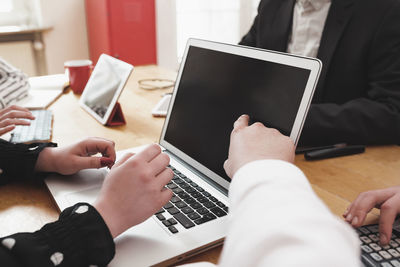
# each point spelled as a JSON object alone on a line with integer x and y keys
{"x": 26, "y": 207}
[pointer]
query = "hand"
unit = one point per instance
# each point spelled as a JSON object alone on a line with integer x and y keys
{"x": 387, "y": 200}
{"x": 12, "y": 116}
{"x": 134, "y": 189}
{"x": 256, "y": 142}
{"x": 76, "y": 157}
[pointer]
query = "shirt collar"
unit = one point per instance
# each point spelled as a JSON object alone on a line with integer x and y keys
{"x": 316, "y": 4}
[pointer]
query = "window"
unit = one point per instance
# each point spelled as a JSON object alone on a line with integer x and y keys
{"x": 19, "y": 13}
{"x": 178, "y": 20}
{"x": 223, "y": 21}
{"x": 207, "y": 19}
{"x": 6, "y": 6}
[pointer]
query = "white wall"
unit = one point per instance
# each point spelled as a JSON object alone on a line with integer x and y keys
{"x": 177, "y": 20}
{"x": 166, "y": 34}
{"x": 20, "y": 55}
{"x": 68, "y": 39}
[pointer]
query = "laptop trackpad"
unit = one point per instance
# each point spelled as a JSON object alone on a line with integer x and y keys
{"x": 80, "y": 187}
{"x": 88, "y": 196}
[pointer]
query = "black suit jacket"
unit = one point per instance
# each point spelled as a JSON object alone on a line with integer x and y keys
{"x": 357, "y": 99}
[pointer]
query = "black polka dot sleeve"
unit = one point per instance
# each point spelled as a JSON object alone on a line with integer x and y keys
{"x": 80, "y": 237}
{"x": 17, "y": 161}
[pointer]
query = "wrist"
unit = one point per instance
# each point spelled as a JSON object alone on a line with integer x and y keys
{"x": 45, "y": 161}
{"x": 109, "y": 218}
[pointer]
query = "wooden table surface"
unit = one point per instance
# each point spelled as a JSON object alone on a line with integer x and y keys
{"x": 26, "y": 207}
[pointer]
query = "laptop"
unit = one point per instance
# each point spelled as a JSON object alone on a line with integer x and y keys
{"x": 216, "y": 83}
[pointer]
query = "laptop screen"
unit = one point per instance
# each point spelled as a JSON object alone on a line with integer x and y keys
{"x": 216, "y": 88}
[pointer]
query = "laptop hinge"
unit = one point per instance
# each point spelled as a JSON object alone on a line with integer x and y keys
{"x": 199, "y": 174}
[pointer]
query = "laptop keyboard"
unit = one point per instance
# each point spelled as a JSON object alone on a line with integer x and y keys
{"x": 372, "y": 254}
{"x": 190, "y": 204}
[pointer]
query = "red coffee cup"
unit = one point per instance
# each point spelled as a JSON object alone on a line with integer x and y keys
{"x": 79, "y": 73}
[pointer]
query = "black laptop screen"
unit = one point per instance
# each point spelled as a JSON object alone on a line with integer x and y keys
{"x": 216, "y": 88}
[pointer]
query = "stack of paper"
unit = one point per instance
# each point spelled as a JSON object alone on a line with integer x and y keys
{"x": 44, "y": 91}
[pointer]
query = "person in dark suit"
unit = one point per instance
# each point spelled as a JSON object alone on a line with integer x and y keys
{"x": 357, "y": 99}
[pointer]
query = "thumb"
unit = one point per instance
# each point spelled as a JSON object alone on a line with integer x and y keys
{"x": 227, "y": 168}
{"x": 241, "y": 122}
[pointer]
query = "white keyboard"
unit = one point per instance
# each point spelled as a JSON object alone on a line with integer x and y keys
{"x": 38, "y": 131}
{"x": 161, "y": 109}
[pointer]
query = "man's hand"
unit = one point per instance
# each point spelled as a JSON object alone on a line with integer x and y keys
{"x": 135, "y": 189}
{"x": 387, "y": 200}
{"x": 76, "y": 157}
{"x": 256, "y": 142}
{"x": 12, "y": 116}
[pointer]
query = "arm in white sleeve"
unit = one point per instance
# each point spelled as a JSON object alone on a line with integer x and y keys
{"x": 277, "y": 220}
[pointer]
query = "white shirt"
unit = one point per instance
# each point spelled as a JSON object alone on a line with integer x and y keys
{"x": 276, "y": 219}
{"x": 309, "y": 18}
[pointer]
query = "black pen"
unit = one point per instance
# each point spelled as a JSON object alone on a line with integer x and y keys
{"x": 334, "y": 152}
{"x": 301, "y": 150}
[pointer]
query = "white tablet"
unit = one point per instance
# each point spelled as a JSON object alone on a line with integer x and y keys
{"x": 104, "y": 87}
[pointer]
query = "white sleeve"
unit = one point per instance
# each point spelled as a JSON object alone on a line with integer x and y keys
{"x": 277, "y": 220}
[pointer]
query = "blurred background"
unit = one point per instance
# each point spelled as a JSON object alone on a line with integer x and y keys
{"x": 38, "y": 36}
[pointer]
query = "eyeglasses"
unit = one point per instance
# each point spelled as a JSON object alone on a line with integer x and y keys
{"x": 154, "y": 84}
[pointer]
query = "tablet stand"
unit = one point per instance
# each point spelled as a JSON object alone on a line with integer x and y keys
{"x": 116, "y": 117}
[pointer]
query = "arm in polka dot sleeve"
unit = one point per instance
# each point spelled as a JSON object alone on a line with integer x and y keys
{"x": 79, "y": 238}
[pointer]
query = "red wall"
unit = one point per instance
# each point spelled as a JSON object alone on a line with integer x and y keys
{"x": 124, "y": 29}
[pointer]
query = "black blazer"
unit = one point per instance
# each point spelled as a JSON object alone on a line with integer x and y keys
{"x": 357, "y": 99}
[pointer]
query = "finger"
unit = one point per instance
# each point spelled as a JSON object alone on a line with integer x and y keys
{"x": 357, "y": 217}
{"x": 260, "y": 124}
{"x": 389, "y": 210}
{"x": 106, "y": 162}
{"x": 227, "y": 168}
{"x": 21, "y": 122}
{"x": 346, "y": 211}
{"x": 13, "y": 107}
{"x": 93, "y": 146}
{"x": 17, "y": 114}
{"x": 352, "y": 208}
{"x": 87, "y": 163}
{"x": 165, "y": 196}
{"x": 149, "y": 153}
{"x": 364, "y": 203}
{"x": 4, "y": 111}
{"x": 164, "y": 177}
{"x": 349, "y": 208}
{"x": 123, "y": 159}
{"x": 159, "y": 163}
{"x": 7, "y": 129}
{"x": 241, "y": 122}
{"x": 7, "y": 122}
